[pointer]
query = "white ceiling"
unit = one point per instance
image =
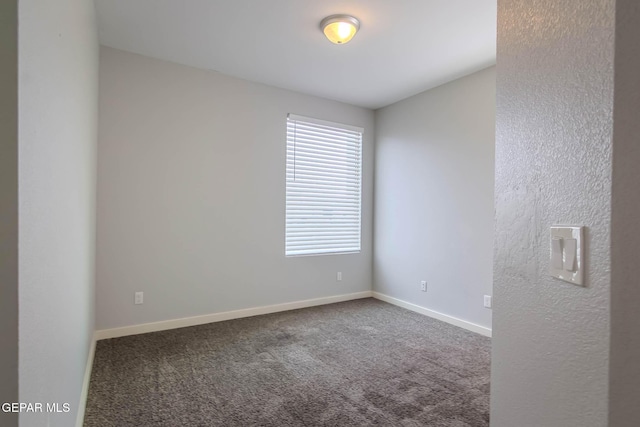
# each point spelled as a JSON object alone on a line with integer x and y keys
{"x": 403, "y": 46}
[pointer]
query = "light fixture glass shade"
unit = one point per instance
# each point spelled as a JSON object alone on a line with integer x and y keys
{"x": 339, "y": 29}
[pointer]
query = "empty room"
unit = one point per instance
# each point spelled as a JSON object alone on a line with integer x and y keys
{"x": 319, "y": 213}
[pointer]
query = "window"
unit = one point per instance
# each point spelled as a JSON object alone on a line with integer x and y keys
{"x": 324, "y": 176}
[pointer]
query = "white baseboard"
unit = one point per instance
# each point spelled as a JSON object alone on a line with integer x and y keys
{"x": 439, "y": 316}
{"x": 227, "y": 315}
{"x": 85, "y": 383}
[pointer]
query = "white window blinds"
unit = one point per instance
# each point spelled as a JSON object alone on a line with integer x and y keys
{"x": 324, "y": 175}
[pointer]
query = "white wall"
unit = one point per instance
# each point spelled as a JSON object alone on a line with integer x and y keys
{"x": 624, "y": 382}
{"x": 550, "y": 346}
{"x": 8, "y": 207}
{"x": 434, "y": 197}
{"x": 191, "y": 193}
{"x": 58, "y": 54}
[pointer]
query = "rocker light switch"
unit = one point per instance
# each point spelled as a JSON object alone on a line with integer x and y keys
{"x": 556, "y": 252}
{"x": 567, "y": 254}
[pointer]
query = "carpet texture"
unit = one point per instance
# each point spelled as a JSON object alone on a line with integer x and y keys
{"x": 356, "y": 363}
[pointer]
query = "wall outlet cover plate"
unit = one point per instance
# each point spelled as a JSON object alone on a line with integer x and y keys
{"x": 560, "y": 238}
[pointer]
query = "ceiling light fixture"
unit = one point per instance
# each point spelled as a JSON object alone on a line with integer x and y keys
{"x": 339, "y": 29}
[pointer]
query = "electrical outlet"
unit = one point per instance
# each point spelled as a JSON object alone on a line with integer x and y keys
{"x": 423, "y": 286}
{"x": 339, "y": 276}
{"x": 487, "y": 301}
{"x": 139, "y": 298}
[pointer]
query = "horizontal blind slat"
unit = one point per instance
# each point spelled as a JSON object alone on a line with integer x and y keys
{"x": 324, "y": 245}
{"x": 323, "y": 174}
{"x": 311, "y": 153}
{"x": 301, "y": 183}
{"x": 314, "y": 228}
{"x": 335, "y": 165}
{"x": 321, "y": 130}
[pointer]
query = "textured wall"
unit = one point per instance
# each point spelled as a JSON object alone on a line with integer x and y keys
{"x": 58, "y": 83}
{"x": 8, "y": 207}
{"x": 191, "y": 194}
{"x": 625, "y": 232}
{"x": 434, "y": 197}
{"x": 553, "y": 166}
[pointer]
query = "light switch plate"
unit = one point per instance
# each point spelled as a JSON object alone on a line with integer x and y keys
{"x": 567, "y": 242}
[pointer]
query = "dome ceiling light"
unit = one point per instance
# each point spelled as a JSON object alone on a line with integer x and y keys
{"x": 339, "y": 29}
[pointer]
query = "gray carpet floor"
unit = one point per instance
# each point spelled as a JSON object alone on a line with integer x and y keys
{"x": 356, "y": 363}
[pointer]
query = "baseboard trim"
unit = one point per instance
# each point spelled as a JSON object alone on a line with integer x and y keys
{"x": 434, "y": 314}
{"x": 227, "y": 315}
{"x": 82, "y": 404}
